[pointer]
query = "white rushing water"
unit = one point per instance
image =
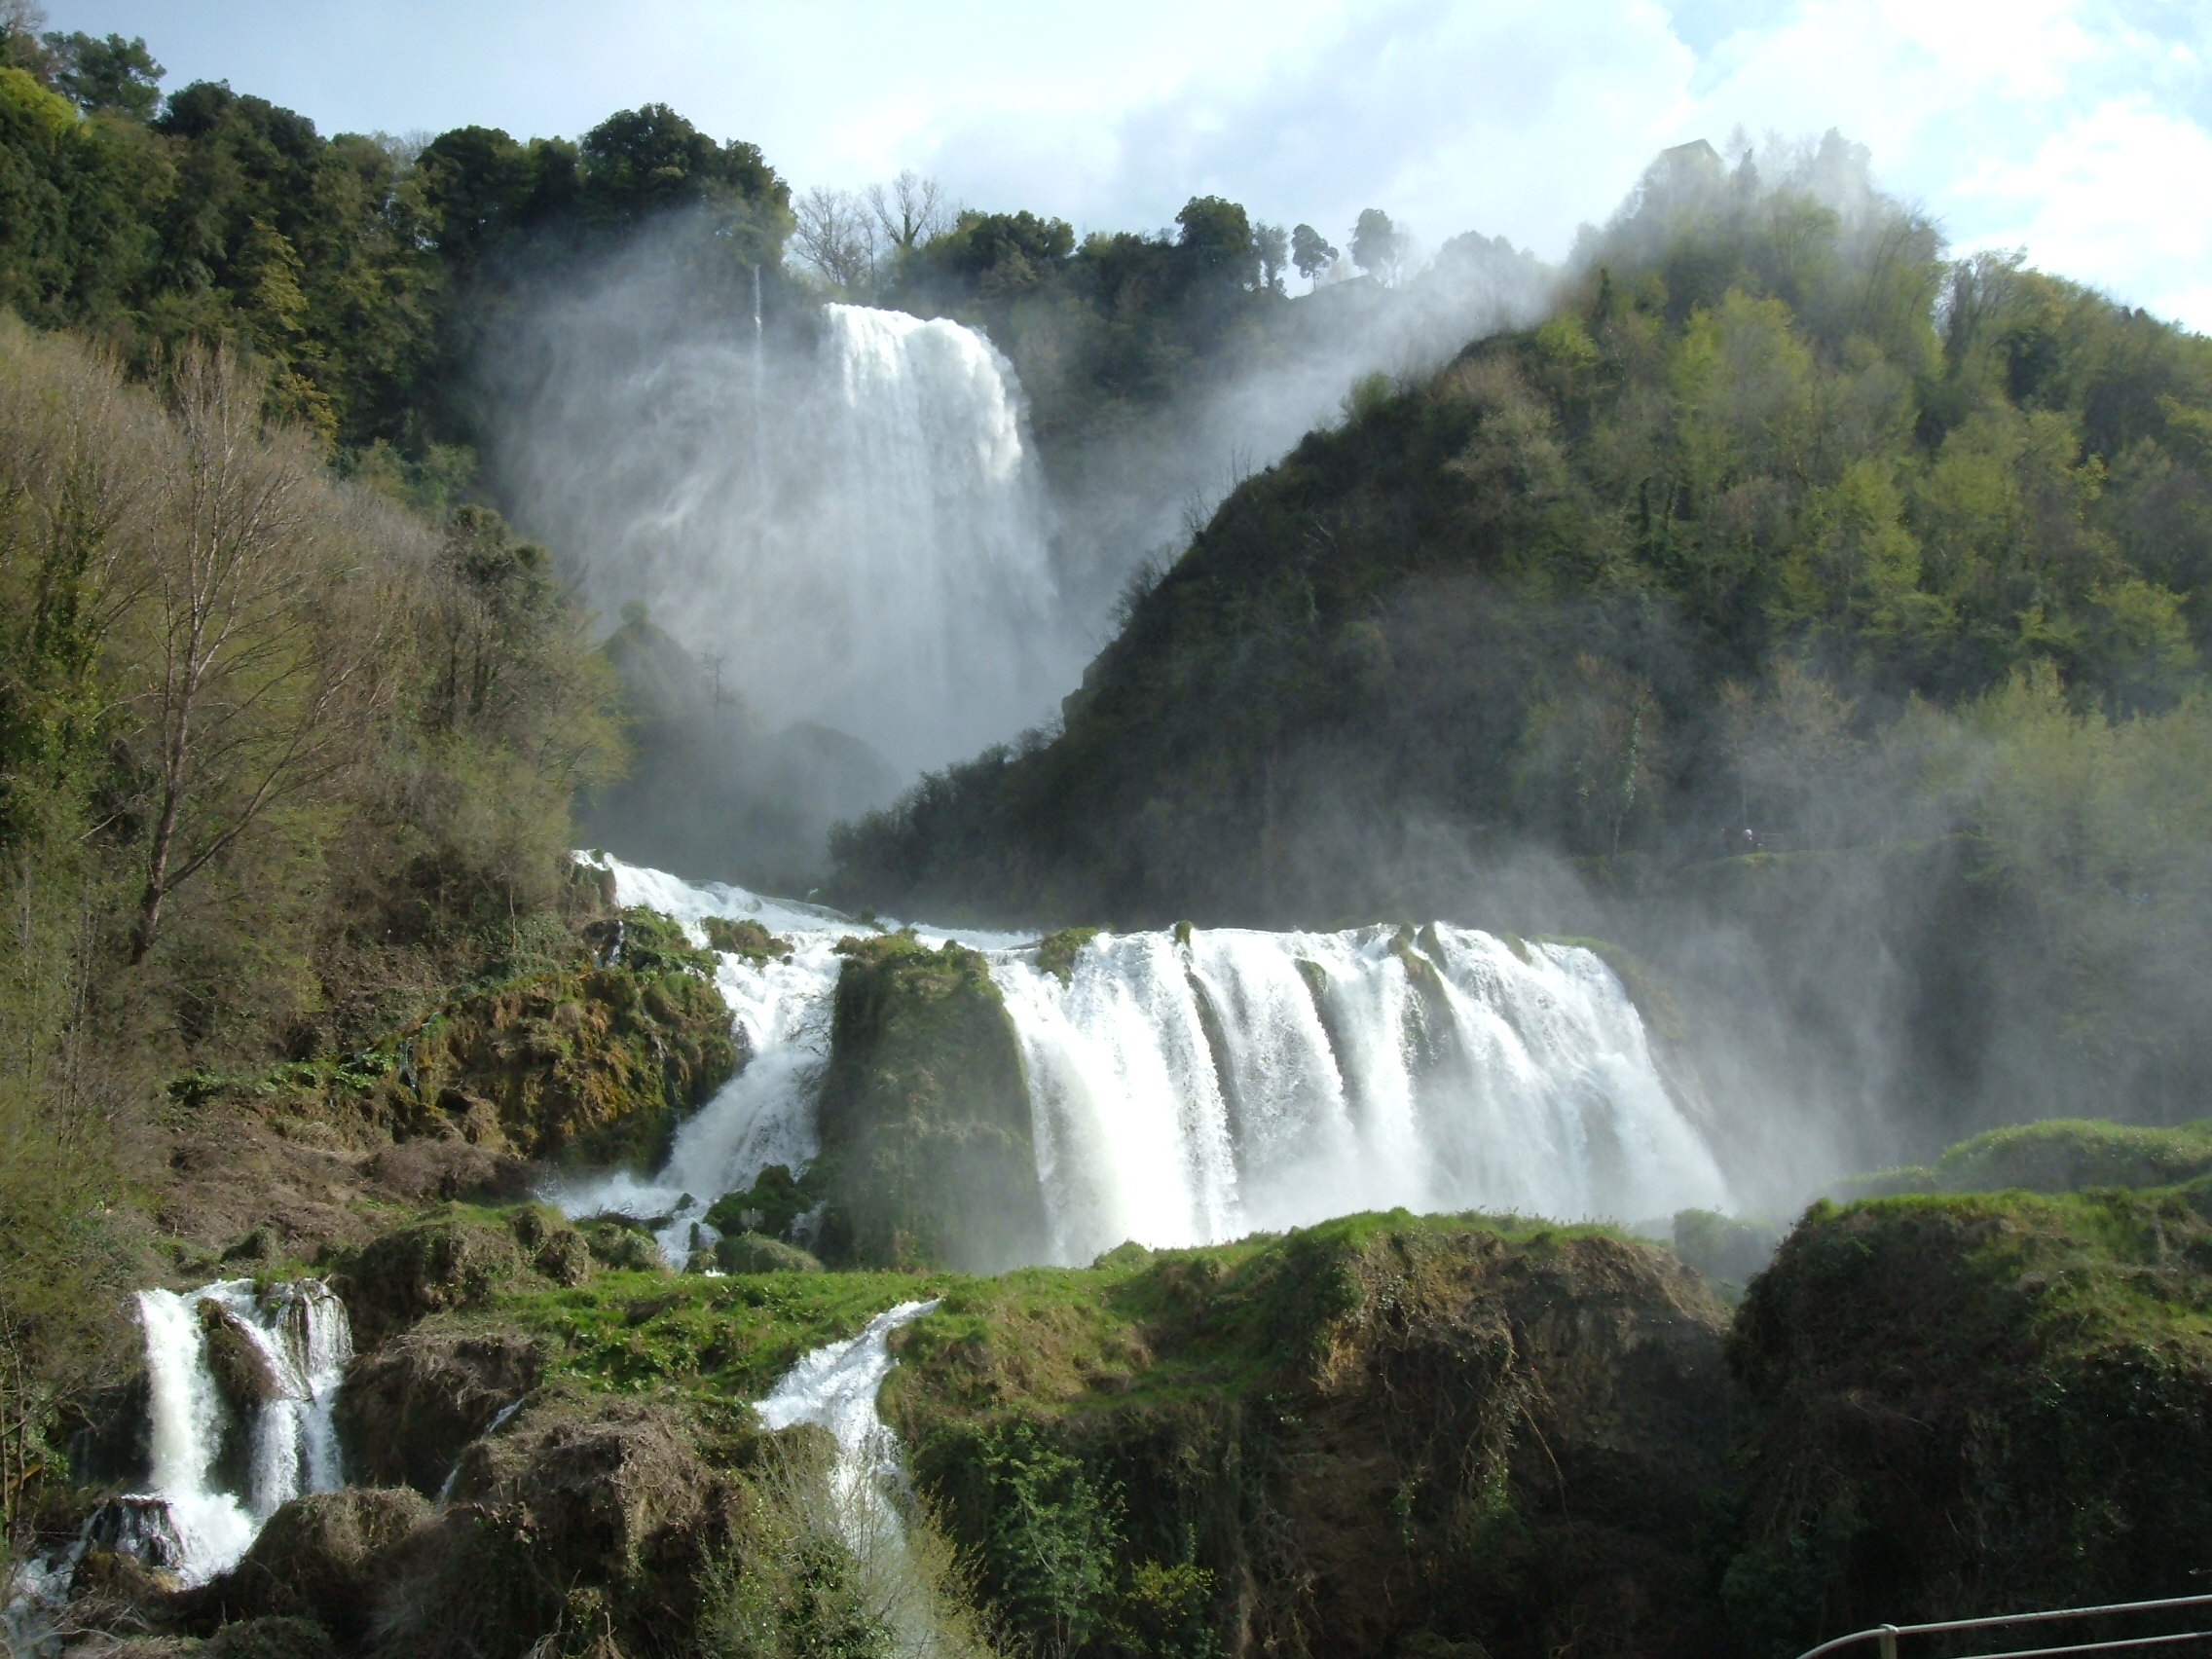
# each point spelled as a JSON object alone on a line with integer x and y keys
{"x": 197, "y": 1512}
{"x": 863, "y": 509}
{"x": 1192, "y": 1088}
{"x": 836, "y": 1388}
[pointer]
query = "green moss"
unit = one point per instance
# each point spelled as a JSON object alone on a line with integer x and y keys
{"x": 753, "y": 1253}
{"x": 1963, "y": 1403}
{"x": 720, "y": 1342}
{"x": 1056, "y": 951}
{"x": 770, "y": 1205}
{"x": 2056, "y": 1155}
{"x": 646, "y": 942}
{"x": 590, "y": 1065}
{"x": 745, "y": 938}
{"x": 926, "y": 1154}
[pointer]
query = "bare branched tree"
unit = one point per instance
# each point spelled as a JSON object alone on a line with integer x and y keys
{"x": 837, "y": 237}
{"x": 263, "y": 666}
{"x": 909, "y": 210}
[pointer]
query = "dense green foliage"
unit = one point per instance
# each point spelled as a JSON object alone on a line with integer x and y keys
{"x": 279, "y": 765}
{"x": 356, "y": 273}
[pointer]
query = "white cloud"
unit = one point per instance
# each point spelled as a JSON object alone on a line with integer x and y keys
{"x": 2116, "y": 196}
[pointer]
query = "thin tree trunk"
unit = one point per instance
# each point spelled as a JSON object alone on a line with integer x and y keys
{"x": 157, "y": 880}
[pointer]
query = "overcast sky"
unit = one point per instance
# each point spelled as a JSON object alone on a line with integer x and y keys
{"x": 2081, "y": 131}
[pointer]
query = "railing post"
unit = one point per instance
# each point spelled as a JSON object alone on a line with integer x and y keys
{"x": 1888, "y": 1640}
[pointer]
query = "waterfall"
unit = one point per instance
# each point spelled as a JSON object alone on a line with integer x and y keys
{"x": 1189, "y": 1087}
{"x": 1188, "y": 1091}
{"x": 206, "y": 1504}
{"x": 863, "y": 511}
{"x": 836, "y": 1388}
{"x": 765, "y": 1113}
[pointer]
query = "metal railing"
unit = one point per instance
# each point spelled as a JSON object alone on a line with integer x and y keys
{"x": 1886, "y": 1637}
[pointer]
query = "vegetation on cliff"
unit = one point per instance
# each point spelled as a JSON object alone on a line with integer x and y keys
{"x": 926, "y": 1152}
{"x": 1971, "y": 1404}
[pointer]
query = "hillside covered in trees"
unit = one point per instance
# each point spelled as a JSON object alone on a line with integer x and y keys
{"x": 1783, "y": 536}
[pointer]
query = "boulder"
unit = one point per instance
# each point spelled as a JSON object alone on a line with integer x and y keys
{"x": 242, "y": 1368}
{"x": 609, "y": 1497}
{"x": 445, "y": 1263}
{"x": 408, "y": 1410}
{"x": 322, "y": 1559}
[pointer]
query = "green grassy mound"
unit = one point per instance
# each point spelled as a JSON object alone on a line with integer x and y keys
{"x": 2061, "y": 1155}
{"x": 1975, "y": 1403}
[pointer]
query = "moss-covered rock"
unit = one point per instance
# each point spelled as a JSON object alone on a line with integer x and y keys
{"x": 594, "y": 1065}
{"x": 449, "y": 1261}
{"x": 743, "y": 936}
{"x": 772, "y": 1205}
{"x": 1975, "y": 1403}
{"x": 926, "y": 1150}
{"x": 608, "y": 1515}
{"x": 242, "y": 1373}
{"x": 753, "y": 1253}
{"x": 1351, "y": 1440}
{"x": 621, "y": 1243}
{"x": 1056, "y": 951}
{"x": 319, "y": 1559}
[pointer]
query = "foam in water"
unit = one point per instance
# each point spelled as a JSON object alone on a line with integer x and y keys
{"x": 1187, "y": 1091}
{"x": 1191, "y": 1088}
{"x": 302, "y": 1335}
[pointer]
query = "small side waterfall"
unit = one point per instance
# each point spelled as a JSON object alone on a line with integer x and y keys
{"x": 836, "y": 1388}
{"x": 222, "y": 1466}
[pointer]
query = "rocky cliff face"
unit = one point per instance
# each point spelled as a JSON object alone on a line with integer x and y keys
{"x": 1971, "y": 1404}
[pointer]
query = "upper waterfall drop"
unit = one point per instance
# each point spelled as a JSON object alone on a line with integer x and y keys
{"x": 931, "y": 536}
{"x": 845, "y": 513}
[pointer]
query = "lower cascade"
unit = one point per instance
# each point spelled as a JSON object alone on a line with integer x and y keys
{"x": 240, "y": 1387}
{"x": 834, "y": 1387}
{"x": 1194, "y": 1085}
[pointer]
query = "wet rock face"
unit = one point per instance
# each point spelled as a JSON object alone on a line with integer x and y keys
{"x": 926, "y": 1148}
{"x": 407, "y": 1410}
{"x": 242, "y": 1371}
